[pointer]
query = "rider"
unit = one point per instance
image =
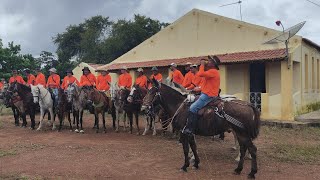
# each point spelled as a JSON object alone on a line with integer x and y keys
{"x": 176, "y": 75}
{"x": 188, "y": 76}
{"x": 103, "y": 81}
{"x": 40, "y": 79}
{"x": 141, "y": 79}
{"x": 2, "y": 83}
{"x": 53, "y": 84}
{"x": 197, "y": 81}
{"x": 156, "y": 75}
{"x": 16, "y": 78}
{"x": 87, "y": 79}
{"x": 209, "y": 91}
{"x": 125, "y": 79}
{"x": 30, "y": 77}
{"x": 69, "y": 79}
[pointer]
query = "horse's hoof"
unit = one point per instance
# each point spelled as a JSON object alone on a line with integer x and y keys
{"x": 82, "y": 131}
{"x": 237, "y": 171}
{"x": 71, "y": 130}
{"x": 138, "y": 133}
{"x": 117, "y": 130}
{"x": 53, "y": 129}
{"x": 32, "y": 128}
{"x": 251, "y": 176}
{"x": 184, "y": 169}
{"x": 234, "y": 148}
{"x": 77, "y": 131}
{"x": 38, "y": 129}
{"x": 196, "y": 167}
{"x": 237, "y": 159}
{"x": 144, "y": 133}
{"x": 154, "y": 133}
{"x": 105, "y": 131}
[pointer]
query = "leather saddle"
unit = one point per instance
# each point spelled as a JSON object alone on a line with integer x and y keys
{"x": 215, "y": 103}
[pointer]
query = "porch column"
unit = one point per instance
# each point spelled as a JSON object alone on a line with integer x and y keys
{"x": 223, "y": 79}
{"x": 286, "y": 91}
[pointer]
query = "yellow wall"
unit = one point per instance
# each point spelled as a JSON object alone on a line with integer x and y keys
{"x": 77, "y": 71}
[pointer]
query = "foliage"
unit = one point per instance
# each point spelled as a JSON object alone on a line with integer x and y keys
{"x": 309, "y": 108}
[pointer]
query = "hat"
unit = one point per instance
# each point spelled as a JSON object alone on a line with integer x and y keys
{"x": 173, "y": 64}
{"x": 215, "y": 60}
{"x": 69, "y": 71}
{"x": 38, "y": 69}
{"x": 189, "y": 63}
{"x": 140, "y": 70}
{"x": 53, "y": 70}
{"x": 154, "y": 69}
{"x": 194, "y": 65}
{"x": 124, "y": 68}
{"x": 27, "y": 70}
{"x": 14, "y": 70}
{"x": 86, "y": 68}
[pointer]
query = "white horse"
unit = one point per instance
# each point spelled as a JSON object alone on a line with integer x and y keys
{"x": 42, "y": 96}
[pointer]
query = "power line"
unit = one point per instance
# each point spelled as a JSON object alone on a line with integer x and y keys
{"x": 313, "y": 3}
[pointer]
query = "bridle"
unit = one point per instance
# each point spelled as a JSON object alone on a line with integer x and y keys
{"x": 39, "y": 95}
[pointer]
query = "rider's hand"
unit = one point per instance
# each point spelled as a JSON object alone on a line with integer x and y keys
{"x": 196, "y": 89}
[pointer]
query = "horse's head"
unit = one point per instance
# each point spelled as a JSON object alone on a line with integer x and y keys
{"x": 71, "y": 91}
{"x": 153, "y": 96}
{"x": 123, "y": 94}
{"x": 35, "y": 90}
{"x": 113, "y": 91}
{"x": 136, "y": 94}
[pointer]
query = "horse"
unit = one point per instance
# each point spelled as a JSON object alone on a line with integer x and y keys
{"x": 64, "y": 108}
{"x": 100, "y": 103}
{"x": 240, "y": 116}
{"x": 78, "y": 96}
{"x": 9, "y": 98}
{"x": 42, "y": 96}
{"x": 22, "y": 100}
{"x": 118, "y": 105}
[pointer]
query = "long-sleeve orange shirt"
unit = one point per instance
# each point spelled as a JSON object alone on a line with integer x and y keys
{"x": 31, "y": 79}
{"x": 17, "y": 78}
{"x": 188, "y": 79}
{"x": 157, "y": 77}
{"x": 88, "y": 80}
{"x": 211, "y": 83}
{"x": 177, "y": 77}
{"x": 125, "y": 80}
{"x": 103, "y": 82}
{"x": 1, "y": 85}
{"x": 142, "y": 81}
{"x": 196, "y": 82}
{"x": 69, "y": 80}
{"x": 53, "y": 81}
{"x": 41, "y": 79}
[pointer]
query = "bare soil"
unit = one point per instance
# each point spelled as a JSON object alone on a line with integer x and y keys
{"x": 27, "y": 154}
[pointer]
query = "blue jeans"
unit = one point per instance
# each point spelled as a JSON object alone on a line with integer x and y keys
{"x": 55, "y": 92}
{"x": 200, "y": 103}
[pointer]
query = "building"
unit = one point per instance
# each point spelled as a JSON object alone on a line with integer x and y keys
{"x": 77, "y": 71}
{"x": 261, "y": 73}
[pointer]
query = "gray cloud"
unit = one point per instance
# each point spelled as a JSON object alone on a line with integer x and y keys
{"x": 33, "y": 23}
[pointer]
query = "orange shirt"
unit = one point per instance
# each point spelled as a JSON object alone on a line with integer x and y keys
{"x": 125, "y": 80}
{"x": 103, "y": 82}
{"x": 211, "y": 83}
{"x": 157, "y": 77}
{"x": 41, "y": 79}
{"x": 142, "y": 81}
{"x": 197, "y": 81}
{"x": 88, "y": 80}
{"x": 69, "y": 80}
{"x": 188, "y": 79}
{"x": 177, "y": 77}
{"x": 31, "y": 79}
{"x": 17, "y": 78}
{"x": 53, "y": 81}
{"x": 1, "y": 85}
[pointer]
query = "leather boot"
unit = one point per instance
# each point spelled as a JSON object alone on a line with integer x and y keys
{"x": 191, "y": 124}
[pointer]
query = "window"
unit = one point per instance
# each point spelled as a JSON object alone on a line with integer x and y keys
{"x": 313, "y": 80}
{"x": 306, "y": 77}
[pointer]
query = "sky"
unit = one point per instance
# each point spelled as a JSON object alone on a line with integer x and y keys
{"x": 33, "y": 23}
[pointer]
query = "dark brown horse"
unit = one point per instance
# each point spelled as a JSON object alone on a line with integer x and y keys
{"x": 247, "y": 128}
{"x": 100, "y": 103}
{"x": 64, "y": 108}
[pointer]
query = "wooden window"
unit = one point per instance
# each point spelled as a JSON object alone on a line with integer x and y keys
{"x": 306, "y": 75}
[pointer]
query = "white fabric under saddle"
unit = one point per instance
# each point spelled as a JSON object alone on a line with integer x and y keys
{"x": 191, "y": 97}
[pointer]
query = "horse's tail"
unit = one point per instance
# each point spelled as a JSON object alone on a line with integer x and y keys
{"x": 255, "y": 125}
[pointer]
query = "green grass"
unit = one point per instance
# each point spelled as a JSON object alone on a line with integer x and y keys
{"x": 4, "y": 153}
{"x": 309, "y": 108}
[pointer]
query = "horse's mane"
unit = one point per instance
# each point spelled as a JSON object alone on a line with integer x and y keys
{"x": 24, "y": 87}
{"x": 176, "y": 90}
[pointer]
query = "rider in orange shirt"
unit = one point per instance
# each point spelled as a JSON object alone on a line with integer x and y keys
{"x": 31, "y": 79}
{"x": 141, "y": 79}
{"x": 2, "y": 82}
{"x": 16, "y": 78}
{"x": 53, "y": 84}
{"x": 40, "y": 79}
{"x": 103, "y": 81}
{"x": 188, "y": 76}
{"x": 87, "y": 79}
{"x": 156, "y": 75}
{"x": 209, "y": 91}
{"x": 197, "y": 81}
{"x": 177, "y": 76}
{"x": 69, "y": 79}
{"x": 125, "y": 79}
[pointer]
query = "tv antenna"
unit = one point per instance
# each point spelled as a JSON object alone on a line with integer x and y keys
{"x": 238, "y": 2}
{"x": 285, "y": 37}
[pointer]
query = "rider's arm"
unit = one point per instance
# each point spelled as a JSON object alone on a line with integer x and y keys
{"x": 202, "y": 73}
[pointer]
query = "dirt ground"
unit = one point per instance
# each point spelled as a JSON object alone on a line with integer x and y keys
{"x": 26, "y": 154}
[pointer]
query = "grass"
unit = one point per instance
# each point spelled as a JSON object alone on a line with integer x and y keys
{"x": 4, "y": 153}
{"x": 309, "y": 108}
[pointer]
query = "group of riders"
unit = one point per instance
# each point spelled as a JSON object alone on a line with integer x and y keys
{"x": 203, "y": 79}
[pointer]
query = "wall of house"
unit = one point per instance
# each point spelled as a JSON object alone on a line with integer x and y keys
{"x": 77, "y": 71}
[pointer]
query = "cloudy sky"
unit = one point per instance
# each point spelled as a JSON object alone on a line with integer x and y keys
{"x": 33, "y": 23}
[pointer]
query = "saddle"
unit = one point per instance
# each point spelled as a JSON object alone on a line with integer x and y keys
{"x": 217, "y": 103}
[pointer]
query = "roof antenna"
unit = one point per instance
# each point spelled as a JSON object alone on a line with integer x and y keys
{"x": 238, "y": 2}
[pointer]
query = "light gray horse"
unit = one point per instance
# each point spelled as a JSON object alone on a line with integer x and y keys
{"x": 42, "y": 96}
{"x": 118, "y": 104}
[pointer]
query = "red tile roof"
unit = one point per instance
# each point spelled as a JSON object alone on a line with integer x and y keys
{"x": 95, "y": 66}
{"x": 239, "y": 57}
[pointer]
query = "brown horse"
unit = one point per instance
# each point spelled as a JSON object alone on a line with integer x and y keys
{"x": 64, "y": 108}
{"x": 246, "y": 122}
{"x": 100, "y": 103}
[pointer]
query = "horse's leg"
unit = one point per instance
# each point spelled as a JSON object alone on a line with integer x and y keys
{"x": 243, "y": 149}
{"x": 124, "y": 121}
{"x": 96, "y": 116}
{"x": 41, "y": 118}
{"x": 253, "y": 152}
{"x": 81, "y": 120}
{"x": 24, "y": 119}
{"x": 104, "y": 121}
{"x": 69, "y": 119}
{"x": 193, "y": 146}
{"x": 118, "y": 119}
{"x": 53, "y": 121}
{"x": 15, "y": 115}
{"x": 130, "y": 116}
{"x": 235, "y": 140}
{"x": 77, "y": 120}
{"x": 137, "y": 122}
{"x": 185, "y": 145}
{"x": 114, "y": 116}
{"x": 32, "y": 117}
{"x": 60, "y": 117}
{"x": 145, "y": 125}
{"x": 154, "y": 126}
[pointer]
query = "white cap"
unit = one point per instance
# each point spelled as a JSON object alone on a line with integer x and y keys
{"x": 53, "y": 70}
{"x": 173, "y": 64}
{"x": 194, "y": 65}
{"x": 140, "y": 70}
{"x": 189, "y": 63}
{"x": 124, "y": 67}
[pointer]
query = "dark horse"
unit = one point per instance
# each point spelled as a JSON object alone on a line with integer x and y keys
{"x": 208, "y": 124}
{"x": 100, "y": 103}
{"x": 64, "y": 108}
{"x": 9, "y": 99}
{"x": 22, "y": 99}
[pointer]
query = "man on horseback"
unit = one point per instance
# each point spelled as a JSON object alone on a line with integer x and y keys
{"x": 125, "y": 79}
{"x": 188, "y": 77}
{"x": 2, "y": 83}
{"x": 176, "y": 75}
{"x": 141, "y": 79}
{"x": 87, "y": 79}
{"x": 53, "y": 84}
{"x": 16, "y": 78}
{"x": 69, "y": 79}
{"x": 30, "y": 77}
{"x": 209, "y": 91}
{"x": 40, "y": 79}
{"x": 197, "y": 81}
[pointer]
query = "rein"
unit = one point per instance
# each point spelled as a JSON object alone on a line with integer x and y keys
{"x": 39, "y": 96}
